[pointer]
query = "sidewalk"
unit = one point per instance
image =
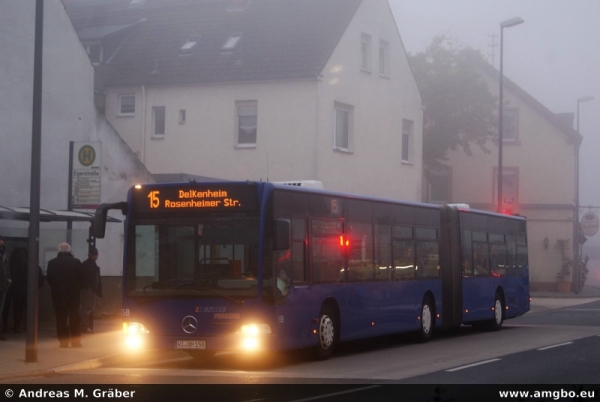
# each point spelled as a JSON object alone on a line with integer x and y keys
{"x": 103, "y": 348}
{"x": 100, "y": 349}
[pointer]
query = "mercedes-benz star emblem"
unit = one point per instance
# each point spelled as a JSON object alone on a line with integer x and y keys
{"x": 189, "y": 324}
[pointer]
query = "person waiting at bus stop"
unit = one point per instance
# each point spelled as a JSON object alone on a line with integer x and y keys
{"x": 92, "y": 287}
{"x": 65, "y": 277}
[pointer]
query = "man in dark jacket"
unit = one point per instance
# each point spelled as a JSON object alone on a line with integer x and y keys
{"x": 92, "y": 287}
{"x": 65, "y": 277}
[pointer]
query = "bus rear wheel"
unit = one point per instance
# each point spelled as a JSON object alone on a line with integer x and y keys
{"x": 327, "y": 333}
{"x": 427, "y": 320}
{"x": 496, "y": 323}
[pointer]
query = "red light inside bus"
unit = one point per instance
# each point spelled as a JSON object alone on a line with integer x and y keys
{"x": 344, "y": 242}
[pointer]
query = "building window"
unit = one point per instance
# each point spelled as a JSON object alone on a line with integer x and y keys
{"x": 510, "y": 126}
{"x": 182, "y": 116}
{"x": 407, "y": 141}
{"x": 439, "y": 187}
{"x": 384, "y": 58}
{"x": 231, "y": 42}
{"x": 126, "y": 105}
{"x": 343, "y": 125}
{"x": 187, "y": 48}
{"x": 365, "y": 52}
{"x": 247, "y": 123}
{"x": 510, "y": 186}
{"x": 96, "y": 52}
{"x": 158, "y": 117}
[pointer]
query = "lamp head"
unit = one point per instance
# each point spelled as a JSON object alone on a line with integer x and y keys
{"x": 585, "y": 99}
{"x": 511, "y": 22}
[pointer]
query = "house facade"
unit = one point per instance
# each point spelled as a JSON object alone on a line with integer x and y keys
{"x": 68, "y": 115}
{"x": 266, "y": 90}
{"x": 537, "y": 181}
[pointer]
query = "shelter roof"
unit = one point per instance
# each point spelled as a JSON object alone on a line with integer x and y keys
{"x": 23, "y": 214}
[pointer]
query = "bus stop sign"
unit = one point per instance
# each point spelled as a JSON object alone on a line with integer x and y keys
{"x": 589, "y": 224}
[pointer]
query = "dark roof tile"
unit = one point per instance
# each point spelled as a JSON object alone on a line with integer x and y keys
{"x": 280, "y": 39}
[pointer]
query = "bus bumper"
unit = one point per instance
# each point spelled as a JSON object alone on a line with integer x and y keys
{"x": 246, "y": 340}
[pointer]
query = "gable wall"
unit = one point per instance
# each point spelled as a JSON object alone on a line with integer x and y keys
{"x": 380, "y": 104}
{"x": 545, "y": 161}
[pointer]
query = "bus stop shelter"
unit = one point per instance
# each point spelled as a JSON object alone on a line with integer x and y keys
{"x": 45, "y": 215}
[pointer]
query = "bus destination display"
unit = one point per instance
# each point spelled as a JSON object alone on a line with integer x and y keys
{"x": 173, "y": 198}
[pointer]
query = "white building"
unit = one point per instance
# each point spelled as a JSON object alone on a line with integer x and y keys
{"x": 68, "y": 114}
{"x": 537, "y": 182}
{"x": 261, "y": 89}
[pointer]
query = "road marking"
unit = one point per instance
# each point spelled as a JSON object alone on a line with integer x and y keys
{"x": 472, "y": 365}
{"x": 314, "y": 398}
{"x": 555, "y": 346}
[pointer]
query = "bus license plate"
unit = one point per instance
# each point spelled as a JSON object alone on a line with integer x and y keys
{"x": 191, "y": 345}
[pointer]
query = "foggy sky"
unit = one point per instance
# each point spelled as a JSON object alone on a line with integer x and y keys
{"x": 554, "y": 55}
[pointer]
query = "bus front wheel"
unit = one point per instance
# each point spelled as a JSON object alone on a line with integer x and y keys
{"x": 427, "y": 320}
{"x": 327, "y": 333}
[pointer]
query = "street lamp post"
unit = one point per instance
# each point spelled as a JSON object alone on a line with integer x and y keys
{"x": 504, "y": 24}
{"x": 576, "y": 231}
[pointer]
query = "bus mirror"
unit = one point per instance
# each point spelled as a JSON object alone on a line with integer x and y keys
{"x": 282, "y": 235}
{"x": 99, "y": 222}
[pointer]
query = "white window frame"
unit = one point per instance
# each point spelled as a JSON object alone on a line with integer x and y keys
{"x": 344, "y": 114}
{"x": 446, "y": 176}
{"x": 384, "y": 58}
{"x": 365, "y": 52}
{"x": 407, "y": 140}
{"x": 245, "y": 109}
{"x": 510, "y": 177}
{"x": 155, "y": 127}
{"x": 121, "y": 113}
{"x": 100, "y": 49}
{"x": 510, "y": 119}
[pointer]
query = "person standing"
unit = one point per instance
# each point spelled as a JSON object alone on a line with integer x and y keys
{"x": 92, "y": 287}
{"x": 65, "y": 277}
{"x": 17, "y": 294}
{"x": 5, "y": 280}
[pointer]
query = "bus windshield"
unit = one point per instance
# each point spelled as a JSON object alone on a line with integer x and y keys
{"x": 204, "y": 257}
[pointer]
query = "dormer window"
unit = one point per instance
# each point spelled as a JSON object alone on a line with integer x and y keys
{"x": 231, "y": 42}
{"x": 186, "y": 48}
{"x": 188, "y": 45}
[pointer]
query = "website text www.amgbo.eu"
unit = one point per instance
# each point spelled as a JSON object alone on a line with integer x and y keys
{"x": 554, "y": 395}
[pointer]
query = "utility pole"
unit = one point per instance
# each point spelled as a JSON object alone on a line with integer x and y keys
{"x": 493, "y": 45}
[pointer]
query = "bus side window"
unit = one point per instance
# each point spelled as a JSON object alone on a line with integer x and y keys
{"x": 511, "y": 256}
{"x": 481, "y": 259}
{"x": 427, "y": 253}
{"x": 403, "y": 251}
{"x": 467, "y": 254}
{"x": 383, "y": 252}
{"x": 522, "y": 257}
{"x": 298, "y": 250}
{"x": 360, "y": 253}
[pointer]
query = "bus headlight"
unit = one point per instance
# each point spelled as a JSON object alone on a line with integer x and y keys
{"x": 251, "y": 334}
{"x": 134, "y": 335}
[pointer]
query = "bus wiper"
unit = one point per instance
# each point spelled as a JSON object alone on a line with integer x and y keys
{"x": 194, "y": 286}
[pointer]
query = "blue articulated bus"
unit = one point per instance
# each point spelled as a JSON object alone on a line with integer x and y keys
{"x": 255, "y": 266}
